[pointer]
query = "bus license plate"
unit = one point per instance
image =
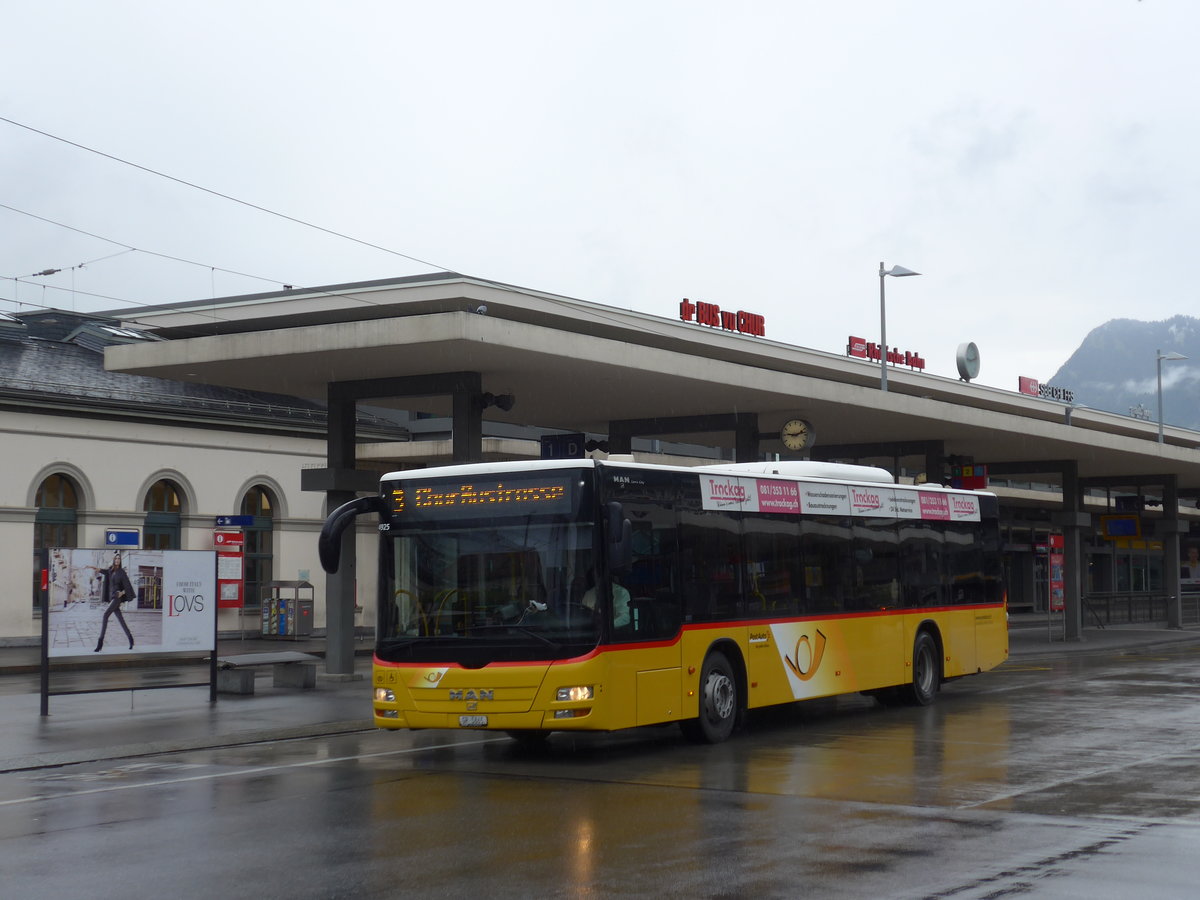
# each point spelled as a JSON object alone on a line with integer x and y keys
{"x": 472, "y": 721}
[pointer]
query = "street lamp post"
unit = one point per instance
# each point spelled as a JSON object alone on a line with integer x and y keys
{"x": 895, "y": 272}
{"x": 1160, "y": 356}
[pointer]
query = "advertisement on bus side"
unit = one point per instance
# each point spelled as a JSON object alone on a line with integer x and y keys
{"x": 768, "y": 495}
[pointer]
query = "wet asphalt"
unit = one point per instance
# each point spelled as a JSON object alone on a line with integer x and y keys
{"x": 128, "y": 706}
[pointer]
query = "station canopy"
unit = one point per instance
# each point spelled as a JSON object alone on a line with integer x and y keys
{"x": 580, "y": 366}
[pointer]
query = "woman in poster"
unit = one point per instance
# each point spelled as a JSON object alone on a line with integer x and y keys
{"x": 117, "y": 590}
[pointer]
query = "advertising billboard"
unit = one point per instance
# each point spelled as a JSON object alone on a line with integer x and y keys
{"x": 130, "y": 601}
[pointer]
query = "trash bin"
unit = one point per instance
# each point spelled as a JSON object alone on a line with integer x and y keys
{"x": 288, "y": 612}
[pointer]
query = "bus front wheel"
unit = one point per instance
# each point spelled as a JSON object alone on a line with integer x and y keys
{"x": 718, "y": 702}
{"x": 927, "y": 674}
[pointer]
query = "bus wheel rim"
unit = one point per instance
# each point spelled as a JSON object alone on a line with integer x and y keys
{"x": 719, "y": 696}
{"x": 924, "y": 673}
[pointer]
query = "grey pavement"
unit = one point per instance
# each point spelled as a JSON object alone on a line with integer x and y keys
{"x": 122, "y": 723}
{"x": 135, "y": 712}
{"x": 1032, "y": 636}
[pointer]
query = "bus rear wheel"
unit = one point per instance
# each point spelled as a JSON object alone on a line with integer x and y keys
{"x": 927, "y": 674}
{"x": 718, "y": 702}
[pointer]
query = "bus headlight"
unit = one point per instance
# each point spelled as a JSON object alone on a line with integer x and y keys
{"x": 385, "y": 695}
{"x": 579, "y": 692}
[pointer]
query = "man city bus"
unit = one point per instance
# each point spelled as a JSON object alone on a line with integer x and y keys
{"x": 587, "y": 595}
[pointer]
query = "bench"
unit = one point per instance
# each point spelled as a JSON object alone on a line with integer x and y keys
{"x": 235, "y": 674}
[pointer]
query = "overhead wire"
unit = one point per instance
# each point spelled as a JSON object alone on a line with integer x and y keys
{"x": 206, "y": 190}
{"x": 231, "y": 199}
{"x": 130, "y": 248}
{"x": 223, "y": 196}
{"x": 103, "y": 258}
{"x": 55, "y": 287}
{"x": 209, "y": 315}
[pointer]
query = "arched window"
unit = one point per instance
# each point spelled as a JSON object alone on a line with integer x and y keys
{"x": 55, "y": 524}
{"x": 257, "y": 555}
{"x": 163, "y": 508}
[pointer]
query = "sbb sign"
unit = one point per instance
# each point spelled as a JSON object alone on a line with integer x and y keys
{"x": 1032, "y": 387}
{"x": 862, "y": 349}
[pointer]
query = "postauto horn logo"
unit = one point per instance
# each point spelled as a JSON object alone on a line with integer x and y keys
{"x": 806, "y": 658}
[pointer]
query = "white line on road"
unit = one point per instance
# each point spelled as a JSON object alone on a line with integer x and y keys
{"x": 251, "y": 771}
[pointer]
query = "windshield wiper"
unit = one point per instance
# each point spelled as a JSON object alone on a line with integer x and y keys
{"x": 399, "y": 640}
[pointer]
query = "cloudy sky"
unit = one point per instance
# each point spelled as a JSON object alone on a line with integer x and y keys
{"x": 1036, "y": 160}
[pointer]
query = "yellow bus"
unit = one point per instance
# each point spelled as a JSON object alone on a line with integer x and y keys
{"x": 587, "y": 595}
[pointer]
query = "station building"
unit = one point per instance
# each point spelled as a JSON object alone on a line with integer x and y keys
{"x": 280, "y": 405}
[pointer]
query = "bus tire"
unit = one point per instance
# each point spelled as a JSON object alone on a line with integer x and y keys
{"x": 718, "y": 702}
{"x": 927, "y": 674}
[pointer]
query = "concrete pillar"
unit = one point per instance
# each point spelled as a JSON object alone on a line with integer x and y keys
{"x": 339, "y": 587}
{"x": 341, "y": 482}
{"x": 935, "y": 463}
{"x": 620, "y": 443}
{"x": 1172, "y": 553}
{"x": 1073, "y": 521}
{"x": 746, "y": 438}
{"x": 1024, "y": 576}
{"x": 467, "y": 443}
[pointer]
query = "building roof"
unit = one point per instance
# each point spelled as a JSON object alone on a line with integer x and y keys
{"x": 54, "y": 361}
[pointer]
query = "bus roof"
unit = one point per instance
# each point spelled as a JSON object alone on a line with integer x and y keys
{"x": 842, "y": 473}
{"x": 806, "y": 468}
{"x": 491, "y": 468}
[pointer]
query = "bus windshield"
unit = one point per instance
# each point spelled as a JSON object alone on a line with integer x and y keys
{"x": 475, "y": 593}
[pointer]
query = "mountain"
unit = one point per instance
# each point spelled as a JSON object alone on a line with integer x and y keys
{"x": 1115, "y": 370}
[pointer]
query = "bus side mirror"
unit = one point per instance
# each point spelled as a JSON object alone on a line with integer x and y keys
{"x": 620, "y": 539}
{"x": 329, "y": 543}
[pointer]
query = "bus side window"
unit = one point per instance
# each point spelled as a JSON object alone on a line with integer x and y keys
{"x": 713, "y": 564}
{"x": 964, "y": 565}
{"x": 877, "y": 565}
{"x": 921, "y": 565}
{"x": 772, "y": 549}
{"x": 828, "y": 564}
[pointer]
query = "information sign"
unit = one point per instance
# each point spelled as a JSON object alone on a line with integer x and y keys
{"x": 229, "y": 541}
{"x": 122, "y": 537}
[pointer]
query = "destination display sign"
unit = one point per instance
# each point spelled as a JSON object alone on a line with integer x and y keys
{"x": 549, "y": 494}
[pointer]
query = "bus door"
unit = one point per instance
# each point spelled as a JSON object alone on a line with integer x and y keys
{"x": 967, "y": 588}
{"x": 774, "y": 585}
{"x": 648, "y": 661}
